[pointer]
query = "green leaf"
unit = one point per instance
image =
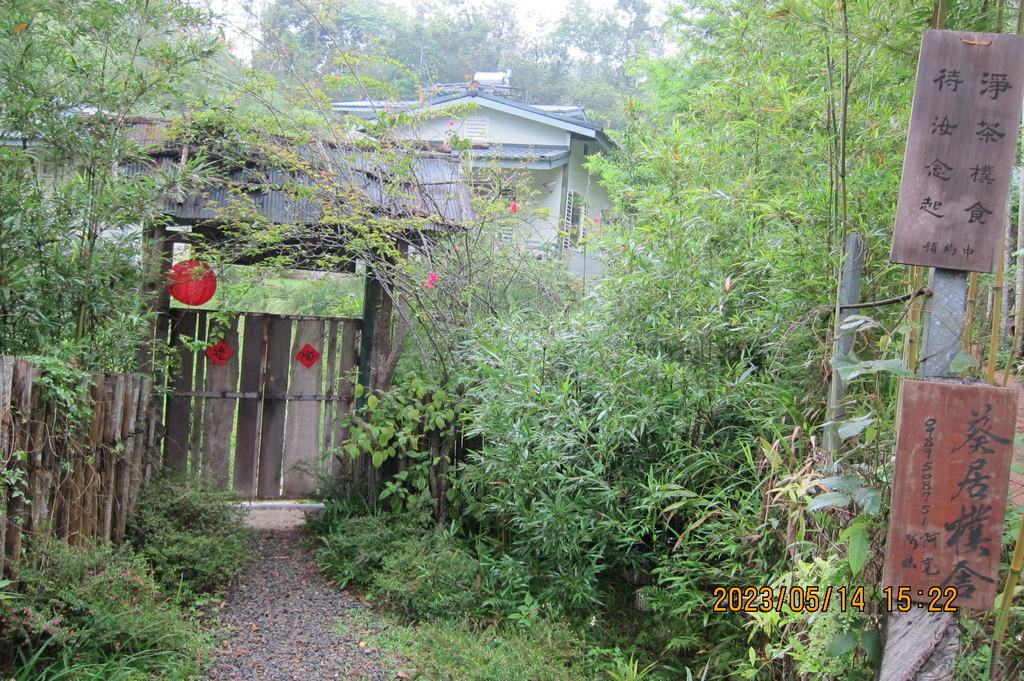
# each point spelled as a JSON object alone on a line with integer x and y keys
{"x": 857, "y": 321}
{"x": 869, "y": 499}
{"x": 872, "y": 644}
{"x": 844, "y": 483}
{"x": 848, "y": 429}
{"x": 843, "y": 643}
{"x": 828, "y": 499}
{"x": 964, "y": 361}
{"x": 850, "y": 366}
{"x": 857, "y": 550}
{"x": 378, "y": 459}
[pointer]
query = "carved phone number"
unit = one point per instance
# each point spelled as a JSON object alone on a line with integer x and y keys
{"x": 797, "y": 598}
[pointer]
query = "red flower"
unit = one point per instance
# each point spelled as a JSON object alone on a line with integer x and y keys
{"x": 514, "y": 207}
{"x": 431, "y": 280}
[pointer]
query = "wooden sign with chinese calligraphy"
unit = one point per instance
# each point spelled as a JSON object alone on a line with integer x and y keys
{"x": 960, "y": 151}
{"x": 949, "y": 498}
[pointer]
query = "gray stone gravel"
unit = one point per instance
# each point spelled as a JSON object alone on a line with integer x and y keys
{"x": 280, "y": 623}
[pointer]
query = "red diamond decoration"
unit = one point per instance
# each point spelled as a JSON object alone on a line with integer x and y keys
{"x": 308, "y": 356}
{"x": 219, "y": 353}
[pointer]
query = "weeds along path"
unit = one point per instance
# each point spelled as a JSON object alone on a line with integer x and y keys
{"x": 280, "y": 622}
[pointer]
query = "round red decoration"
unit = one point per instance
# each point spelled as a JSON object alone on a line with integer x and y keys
{"x": 192, "y": 282}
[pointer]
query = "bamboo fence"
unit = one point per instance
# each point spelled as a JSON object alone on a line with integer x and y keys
{"x": 73, "y": 481}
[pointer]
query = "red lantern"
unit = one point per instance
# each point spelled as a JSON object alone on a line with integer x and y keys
{"x": 191, "y": 282}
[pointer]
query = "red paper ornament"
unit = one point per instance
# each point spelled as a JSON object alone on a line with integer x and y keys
{"x": 191, "y": 282}
{"x": 219, "y": 353}
{"x": 308, "y": 356}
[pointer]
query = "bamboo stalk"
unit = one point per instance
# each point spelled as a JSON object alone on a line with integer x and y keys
{"x": 1018, "y": 551}
{"x": 972, "y": 305}
{"x": 910, "y": 350}
{"x": 1019, "y": 314}
{"x": 997, "y": 313}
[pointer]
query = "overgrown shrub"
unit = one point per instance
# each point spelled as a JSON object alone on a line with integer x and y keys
{"x": 94, "y": 606}
{"x": 405, "y": 562}
{"x": 356, "y": 548}
{"x": 193, "y": 535}
{"x": 430, "y": 577}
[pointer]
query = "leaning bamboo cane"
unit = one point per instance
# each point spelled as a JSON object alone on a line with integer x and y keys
{"x": 997, "y": 313}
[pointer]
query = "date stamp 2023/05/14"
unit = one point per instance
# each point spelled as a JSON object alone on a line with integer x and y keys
{"x": 814, "y": 599}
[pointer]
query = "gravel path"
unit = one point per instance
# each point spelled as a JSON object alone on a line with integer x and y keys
{"x": 280, "y": 623}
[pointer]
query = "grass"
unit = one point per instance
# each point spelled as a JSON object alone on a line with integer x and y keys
{"x": 457, "y": 651}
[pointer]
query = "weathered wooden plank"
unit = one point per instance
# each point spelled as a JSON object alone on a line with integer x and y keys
{"x": 349, "y": 361}
{"x": 250, "y": 410}
{"x": 44, "y": 480}
{"x": 949, "y": 499}
{"x": 331, "y": 373}
{"x": 151, "y": 453}
{"x": 301, "y": 449}
{"x": 99, "y": 409}
{"x": 143, "y": 421}
{"x": 960, "y": 152}
{"x": 6, "y": 426}
{"x": 179, "y": 409}
{"x": 195, "y": 450}
{"x": 219, "y": 413}
{"x": 268, "y": 482}
{"x": 31, "y": 439}
{"x": 24, "y": 412}
{"x": 120, "y": 494}
{"x": 75, "y": 501}
{"x": 116, "y": 413}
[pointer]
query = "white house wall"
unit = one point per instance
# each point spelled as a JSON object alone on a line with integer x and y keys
{"x": 582, "y": 182}
{"x": 502, "y": 127}
{"x": 543, "y": 206}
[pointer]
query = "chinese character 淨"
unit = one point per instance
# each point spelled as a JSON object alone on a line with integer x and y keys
{"x": 995, "y": 84}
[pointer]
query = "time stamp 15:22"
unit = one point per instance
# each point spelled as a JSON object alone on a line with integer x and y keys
{"x": 813, "y": 598}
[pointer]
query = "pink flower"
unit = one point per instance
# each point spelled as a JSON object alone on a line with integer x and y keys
{"x": 597, "y": 219}
{"x": 431, "y": 280}
{"x": 514, "y": 207}
{"x": 451, "y": 122}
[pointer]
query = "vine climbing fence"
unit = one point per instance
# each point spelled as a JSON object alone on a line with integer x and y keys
{"x": 71, "y": 463}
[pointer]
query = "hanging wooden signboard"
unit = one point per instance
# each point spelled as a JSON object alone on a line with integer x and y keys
{"x": 960, "y": 151}
{"x": 949, "y": 497}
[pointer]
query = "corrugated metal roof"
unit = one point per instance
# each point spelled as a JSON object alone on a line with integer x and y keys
{"x": 519, "y": 155}
{"x": 345, "y": 183}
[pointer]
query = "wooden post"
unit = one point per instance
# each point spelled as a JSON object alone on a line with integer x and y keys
{"x": 372, "y": 291}
{"x": 922, "y": 645}
{"x": 849, "y": 294}
{"x": 157, "y": 254}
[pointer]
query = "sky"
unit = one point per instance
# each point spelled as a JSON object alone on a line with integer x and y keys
{"x": 532, "y": 13}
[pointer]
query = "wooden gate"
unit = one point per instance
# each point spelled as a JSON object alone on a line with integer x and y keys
{"x": 257, "y": 398}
